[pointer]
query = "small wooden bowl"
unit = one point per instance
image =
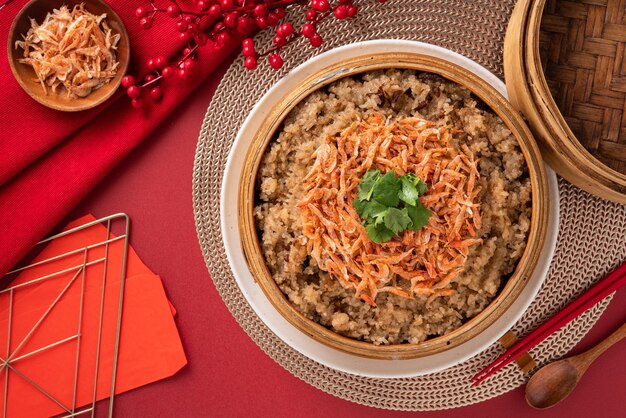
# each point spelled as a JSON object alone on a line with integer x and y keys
{"x": 25, "y": 75}
{"x": 587, "y": 97}
{"x": 450, "y": 71}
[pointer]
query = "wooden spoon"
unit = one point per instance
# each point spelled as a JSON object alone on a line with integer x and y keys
{"x": 554, "y": 381}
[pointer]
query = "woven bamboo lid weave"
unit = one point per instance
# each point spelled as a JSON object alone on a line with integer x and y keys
{"x": 565, "y": 68}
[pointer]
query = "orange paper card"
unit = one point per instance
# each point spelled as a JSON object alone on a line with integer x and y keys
{"x": 59, "y": 333}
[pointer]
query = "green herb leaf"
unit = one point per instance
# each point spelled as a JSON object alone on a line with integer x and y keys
{"x": 416, "y": 181}
{"x": 397, "y": 220}
{"x": 386, "y": 190}
{"x": 408, "y": 193}
{"x": 378, "y": 233}
{"x": 419, "y": 215}
{"x": 374, "y": 210}
{"x": 411, "y": 177}
{"x": 366, "y": 186}
{"x": 421, "y": 187}
{"x": 389, "y": 205}
{"x": 359, "y": 206}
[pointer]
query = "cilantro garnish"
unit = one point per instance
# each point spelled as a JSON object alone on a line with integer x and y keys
{"x": 386, "y": 190}
{"x": 389, "y": 205}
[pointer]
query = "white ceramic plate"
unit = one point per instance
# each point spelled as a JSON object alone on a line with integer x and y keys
{"x": 255, "y": 296}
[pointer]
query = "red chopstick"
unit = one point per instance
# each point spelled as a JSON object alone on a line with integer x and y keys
{"x": 600, "y": 290}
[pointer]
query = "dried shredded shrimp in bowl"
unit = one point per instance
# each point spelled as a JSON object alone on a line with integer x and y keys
{"x": 74, "y": 49}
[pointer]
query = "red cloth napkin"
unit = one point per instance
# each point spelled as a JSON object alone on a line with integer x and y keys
{"x": 49, "y": 160}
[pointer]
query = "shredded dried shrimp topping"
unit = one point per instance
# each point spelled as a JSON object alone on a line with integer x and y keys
{"x": 417, "y": 262}
{"x": 72, "y": 49}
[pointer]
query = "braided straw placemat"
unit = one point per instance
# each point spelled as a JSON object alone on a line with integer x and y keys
{"x": 592, "y": 232}
{"x": 583, "y": 49}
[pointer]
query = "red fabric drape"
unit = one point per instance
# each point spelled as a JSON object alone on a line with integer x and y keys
{"x": 49, "y": 160}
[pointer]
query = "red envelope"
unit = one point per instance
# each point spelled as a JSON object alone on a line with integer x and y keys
{"x": 149, "y": 349}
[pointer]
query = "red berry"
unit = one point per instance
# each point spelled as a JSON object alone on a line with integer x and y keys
{"x": 201, "y": 39}
{"x": 218, "y": 46}
{"x": 315, "y": 40}
{"x": 285, "y": 30}
{"x": 149, "y": 78}
{"x": 245, "y": 24}
{"x": 182, "y": 73}
{"x": 136, "y": 103}
{"x": 341, "y": 12}
{"x": 260, "y": 10}
{"x": 141, "y": 12}
{"x": 308, "y": 30}
{"x": 222, "y": 37}
{"x": 311, "y": 15}
{"x": 227, "y": 4}
{"x": 192, "y": 28}
{"x": 261, "y": 22}
{"x": 320, "y": 5}
{"x": 128, "y": 80}
{"x": 275, "y": 61}
{"x": 187, "y": 51}
{"x": 279, "y": 40}
{"x": 167, "y": 72}
{"x": 151, "y": 64}
{"x": 160, "y": 62}
{"x": 190, "y": 19}
{"x": 181, "y": 26}
{"x": 250, "y": 63}
{"x": 215, "y": 10}
{"x": 155, "y": 93}
{"x": 133, "y": 92}
{"x": 280, "y": 12}
{"x": 145, "y": 23}
{"x": 184, "y": 37}
{"x": 230, "y": 20}
{"x": 218, "y": 26}
{"x": 248, "y": 42}
{"x": 201, "y": 5}
{"x": 352, "y": 10}
{"x": 272, "y": 19}
{"x": 190, "y": 64}
{"x": 172, "y": 10}
{"x": 248, "y": 51}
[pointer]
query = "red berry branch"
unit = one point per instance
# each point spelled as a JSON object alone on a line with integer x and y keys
{"x": 216, "y": 22}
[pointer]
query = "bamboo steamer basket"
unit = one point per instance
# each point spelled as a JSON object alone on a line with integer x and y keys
{"x": 514, "y": 284}
{"x": 575, "y": 97}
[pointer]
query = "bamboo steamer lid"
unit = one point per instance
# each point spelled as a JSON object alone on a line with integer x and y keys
{"x": 565, "y": 69}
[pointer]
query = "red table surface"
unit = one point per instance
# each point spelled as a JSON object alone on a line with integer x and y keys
{"x": 227, "y": 374}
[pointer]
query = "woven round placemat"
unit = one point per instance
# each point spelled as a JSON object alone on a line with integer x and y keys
{"x": 592, "y": 232}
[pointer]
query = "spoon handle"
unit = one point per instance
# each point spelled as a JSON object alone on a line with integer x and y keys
{"x": 590, "y": 355}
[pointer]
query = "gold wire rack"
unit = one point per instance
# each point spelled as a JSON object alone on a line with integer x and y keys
{"x": 9, "y": 362}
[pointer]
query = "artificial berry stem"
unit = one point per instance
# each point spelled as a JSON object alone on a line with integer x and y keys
{"x": 159, "y": 77}
{"x": 229, "y": 18}
{"x": 294, "y": 37}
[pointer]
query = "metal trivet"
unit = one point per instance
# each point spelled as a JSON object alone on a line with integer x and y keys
{"x": 10, "y": 360}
